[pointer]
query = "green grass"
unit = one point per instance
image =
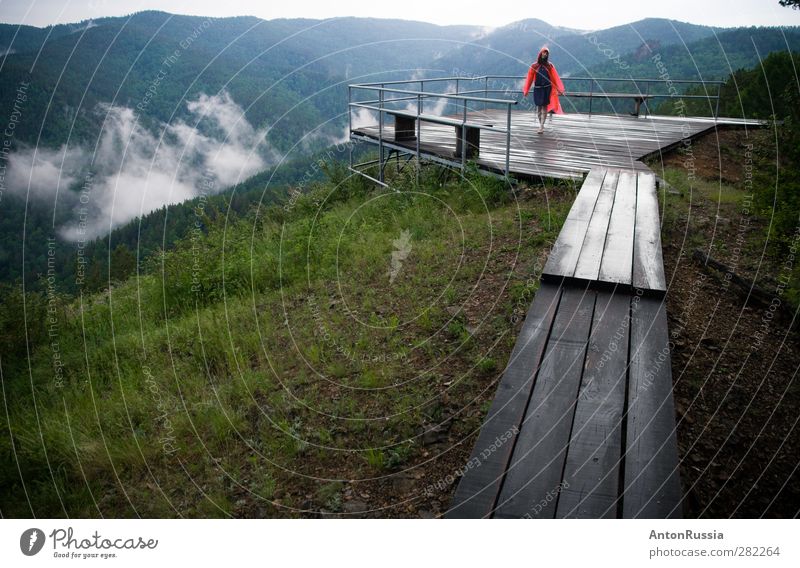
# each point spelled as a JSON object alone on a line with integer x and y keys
{"x": 731, "y": 214}
{"x": 233, "y": 360}
{"x": 709, "y": 190}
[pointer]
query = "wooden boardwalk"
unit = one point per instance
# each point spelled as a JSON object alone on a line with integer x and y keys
{"x": 583, "y": 425}
{"x": 612, "y": 234}
{"x": 570, "y": 147}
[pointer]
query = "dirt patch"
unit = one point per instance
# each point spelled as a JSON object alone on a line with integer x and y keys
{"x": 717, "y": 155}
{"x": 735, "y": 359}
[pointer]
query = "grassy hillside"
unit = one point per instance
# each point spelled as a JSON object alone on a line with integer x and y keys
{"x": 734, "y": 354}
{"x": 315, "y": 358}
{"x": 769, "y": 91}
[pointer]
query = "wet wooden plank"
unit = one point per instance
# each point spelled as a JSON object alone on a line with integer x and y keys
{"x": 563, "y": 257}
{"x": 537, "y": 462}
{"x": 584, "y": 204}
{"x": 477, "y": 491}
{"x": 588, "y": 266}
{"x": 617, "y": 263}
{"x": 651, "y": 482}
{"x": 590, "y": 488}
{"x": 648, "y": 264}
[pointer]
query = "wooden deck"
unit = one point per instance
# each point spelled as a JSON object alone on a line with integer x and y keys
{"x": 570, "y": 147}
{"x": 583, "y": 425}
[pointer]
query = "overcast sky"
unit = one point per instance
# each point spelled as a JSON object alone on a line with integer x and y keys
{"x": 582, "y": 14}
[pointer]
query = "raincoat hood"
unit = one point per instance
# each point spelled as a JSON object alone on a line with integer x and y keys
{"x": 541, "y": 51}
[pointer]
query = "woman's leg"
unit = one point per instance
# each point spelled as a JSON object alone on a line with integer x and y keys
{"x": 540, "y": 112}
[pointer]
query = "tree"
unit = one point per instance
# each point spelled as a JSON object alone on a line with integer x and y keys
{"x": 123, "y": 263}
{"x": 790, "y": 3}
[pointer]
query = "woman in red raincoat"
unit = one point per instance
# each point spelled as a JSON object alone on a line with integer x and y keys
{"x": 547, "y": 86}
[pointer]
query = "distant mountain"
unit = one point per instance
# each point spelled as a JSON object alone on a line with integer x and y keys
{"x": 511, "y": 49}
{"x": 713, "y": 57}
{"x": 26, "y": 39}
{"x": 277, "y": 70}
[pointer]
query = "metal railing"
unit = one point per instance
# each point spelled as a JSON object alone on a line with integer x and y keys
{"x": 389, "y": 96}
{"x": 643, "y": 88}
{"x": 474, "y": 92}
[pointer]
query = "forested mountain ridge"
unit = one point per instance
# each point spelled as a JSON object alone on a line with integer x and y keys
{"x": 510, "y": 49}
{"x": 711, "y": 58}
{"x": 268, "y": 67}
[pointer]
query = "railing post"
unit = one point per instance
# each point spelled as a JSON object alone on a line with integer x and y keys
{"x": 380, "y": 135}
{"x": 464, "y": 140}
{"x": 508, "y": 139}
{"x": 485, "y": 91}
{"x": 647, "y": 101}
{"x": 591, "y": 91}
{"x": 716, "y": 110}
{"x": 350, "y": 124}
{"x": 419, "y": 131}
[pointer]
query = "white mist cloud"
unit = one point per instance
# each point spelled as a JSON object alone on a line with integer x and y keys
{"x": 44, "y": 171}
{"x": 136, "y": 171}
{"x": 360, "y": 117}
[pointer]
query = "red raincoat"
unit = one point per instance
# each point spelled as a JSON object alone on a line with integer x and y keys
{"x": 555, "y": 80}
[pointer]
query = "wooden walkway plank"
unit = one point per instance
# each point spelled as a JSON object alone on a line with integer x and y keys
{"x": 617, "y": 263}
{"x": 584, "y": 203}
{"x": 588, "y": 266}
{"x": 563, "y": 257}
{"x": 477, "y": 491}
{"x": 652, "y": 486}
{"x": 537, "y": 462}
{"x": 648, "y": 265}
{"x": 592, "y": 472}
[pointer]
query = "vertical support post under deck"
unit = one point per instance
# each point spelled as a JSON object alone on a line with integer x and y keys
{"x": 350, "y": 125}
{"x": 419, "y": 132}
{"x": 508, "y": 139}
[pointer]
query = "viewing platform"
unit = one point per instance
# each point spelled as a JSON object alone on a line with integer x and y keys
{"x": 461, "y": 124}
